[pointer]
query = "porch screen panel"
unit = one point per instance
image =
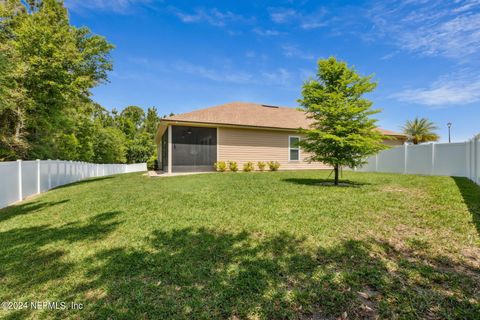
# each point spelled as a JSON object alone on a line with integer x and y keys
{"x": 165, "y": 151}
{"x": 193, "y": 149}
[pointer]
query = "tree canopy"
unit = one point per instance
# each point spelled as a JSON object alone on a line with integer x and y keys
{"x": 420, "y": 130}
{"x": 343, "y": 132}
{"x": 47, "y": 70}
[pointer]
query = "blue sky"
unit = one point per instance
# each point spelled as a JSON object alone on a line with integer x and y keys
{"x": 184, "y": 55}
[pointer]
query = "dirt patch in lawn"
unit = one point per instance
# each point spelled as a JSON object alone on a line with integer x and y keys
{"x": 399, "y": 189}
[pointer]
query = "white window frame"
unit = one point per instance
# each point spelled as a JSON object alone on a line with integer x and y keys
{"x": 297, "y": 148}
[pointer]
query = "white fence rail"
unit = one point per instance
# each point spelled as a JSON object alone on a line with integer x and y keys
{"x": 20, "y": 179}
{"x": 441, "y": 159}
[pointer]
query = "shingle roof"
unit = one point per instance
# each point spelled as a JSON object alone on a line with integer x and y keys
{"x": 252, "y": 115}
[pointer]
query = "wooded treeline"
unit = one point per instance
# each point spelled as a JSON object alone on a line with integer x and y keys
{"x": 47, "y": 70}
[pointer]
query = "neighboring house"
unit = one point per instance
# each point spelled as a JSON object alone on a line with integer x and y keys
{"x": 239, "y": 132}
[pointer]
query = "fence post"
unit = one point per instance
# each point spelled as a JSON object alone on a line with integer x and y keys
{"x": 376, "y": 162}
{"x": 19, "y": 177}
{"x": 477, "y": 159}
{"x": 405, "y": 157}
{"x": 474, "y": 159}
{"x": 38, "y": 176}
{"x": 70, "y": 171}
{"x": 49, "y": 164}
{"x": 433, "y": 159}
{"x": 468, "y": 164}
{"x": 470, "y": 148}
{"x": 467, "y": 159}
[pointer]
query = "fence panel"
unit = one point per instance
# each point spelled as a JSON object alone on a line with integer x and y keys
{"x": 9, "y": 183}
{"x": 370, "y": 166}
{"x": 29, "y": 178}
{"x": 450, "y": 159}
{"x": 477, "y": 162}
{"x": 44, "y": 175}
{"x": 20, "y": 179}
{"x": 391, "y": 160}
{"x": 419, "y": 159}
{"x": 444, "y": 159}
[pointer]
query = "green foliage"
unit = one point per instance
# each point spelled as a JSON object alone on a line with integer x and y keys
{"x": 52, "y": 66}
{"x": 261, "y": 165}
{"x": 220, "y": 166}
{"x": 273, "y": 165}
{"x": 342, "y": 133}
{"x": 151, "y": 121}
{"x": 232, "y": 166}
{"x": 140, "y": 149}
{"x": 47, "y": 69}
{"x": 420, "y": 130}
{"x": 152, "y": 163}
{"x": 109, "y": 146}
{"x": 130, "y": 120}
{"x": 248, "y": 166}
{"x": 68, "y": 147}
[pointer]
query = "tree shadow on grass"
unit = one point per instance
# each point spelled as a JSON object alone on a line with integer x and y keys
{"x": 202, "y": 273}
{"x": 26, "y": 208}
{"x": 471, "y": 196}
{"x": 325, "y": 182}
{"x": 32, "y": 258}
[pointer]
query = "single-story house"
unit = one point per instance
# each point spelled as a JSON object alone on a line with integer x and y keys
{"x": 240, "y": 132}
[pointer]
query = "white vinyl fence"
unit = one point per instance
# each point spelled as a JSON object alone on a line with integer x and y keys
{"x": 20, "y": 179}
{"x": 442, "y": 159}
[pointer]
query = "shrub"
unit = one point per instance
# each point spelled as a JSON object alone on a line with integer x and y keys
{"x": 273, "y": 165}
{"x": 220, "y": 166}
{"x": 261, "y": 165}
{"x": 232, "y": 165}
{"x": 152, "y": 163}
{"x": 248, "y": 166}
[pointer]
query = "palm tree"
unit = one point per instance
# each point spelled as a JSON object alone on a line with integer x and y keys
{"x": 420, "y": 130}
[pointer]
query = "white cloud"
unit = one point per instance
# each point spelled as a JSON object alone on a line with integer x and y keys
{"x": 279, "y": 76}
{"x": 222, "y": 71}
{"x": 433, "y": 28}
{"x": 226, "y": 74}
{"x": 317, "y": 19}
{"x": 255, "y": 56}
{"x": 306, "y": 21}
{"x": 118, "y": 6}
{"x": 313, "y": 24}
{"x": 213, "y": 16}
{"x": 389, "y": 56}
{"x": 282, "y": 15}
{"x": 266, "y": 32}
{"x": 212, "y": 74}
{"x": 293, "y": 51}
{"x": 446, "y": 91}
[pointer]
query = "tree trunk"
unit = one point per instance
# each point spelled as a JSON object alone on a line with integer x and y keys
{"x": 336, "y": 175}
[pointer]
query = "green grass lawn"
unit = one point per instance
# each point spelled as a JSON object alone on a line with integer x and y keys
{"x": 246, "y": 245}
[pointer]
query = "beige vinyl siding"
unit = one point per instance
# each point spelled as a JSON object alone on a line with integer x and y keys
{"x": 242, "y": 145}
{"x": 394, "y": 143}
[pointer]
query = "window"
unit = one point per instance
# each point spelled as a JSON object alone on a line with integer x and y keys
{"x": 293, "y": 148}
